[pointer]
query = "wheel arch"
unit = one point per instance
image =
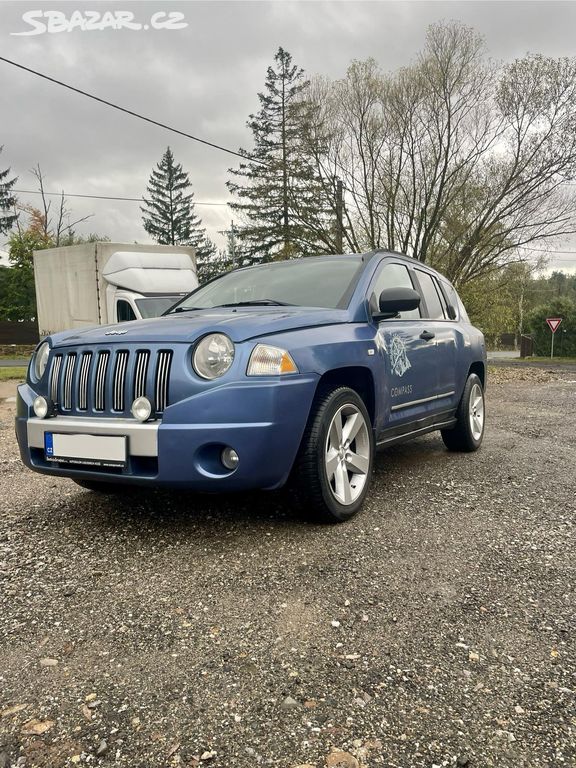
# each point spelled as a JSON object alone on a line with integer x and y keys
{"x": 358, "y": 378}
{"x": 480, "y": 370}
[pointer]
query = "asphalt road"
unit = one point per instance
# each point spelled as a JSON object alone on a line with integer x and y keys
{"x": 436, "y": 629}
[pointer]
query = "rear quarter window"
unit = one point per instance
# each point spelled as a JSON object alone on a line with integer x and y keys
{"x": 455, "y": 301}
{"x": 432, "y": 296}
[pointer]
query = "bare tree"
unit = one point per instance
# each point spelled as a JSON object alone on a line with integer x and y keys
{"x": 60, "y": 227}
{"x": 344, "y": 141}
{"x": 454, "y": 159}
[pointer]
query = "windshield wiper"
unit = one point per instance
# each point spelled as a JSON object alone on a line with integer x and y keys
{"x": 254, "y": 303}
{"x": 258, "y": 302}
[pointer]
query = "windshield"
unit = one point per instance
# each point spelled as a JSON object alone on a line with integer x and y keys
{"x": 309, "y": 282}
{"x": 154, "y": 306}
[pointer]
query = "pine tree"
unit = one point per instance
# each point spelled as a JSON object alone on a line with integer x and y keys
{"x": 276, "y": 185}
{"x": 7, "y": 201}
{"x": 218, "y": 262}
{"x": 169, "y": 215}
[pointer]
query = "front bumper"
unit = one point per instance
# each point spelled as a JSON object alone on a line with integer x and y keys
{"x": 263, "y": 420}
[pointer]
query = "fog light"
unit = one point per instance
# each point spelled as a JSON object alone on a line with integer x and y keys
{"x": 41, "y": 407}
{"x": 141, "y": 409}
{"x": 230, "y": 458}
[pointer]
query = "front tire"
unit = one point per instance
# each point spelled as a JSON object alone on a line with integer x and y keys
{"x": 469, "y": 430}
{"x": 334, "y": 467}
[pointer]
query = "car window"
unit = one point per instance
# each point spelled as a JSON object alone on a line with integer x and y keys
{"x": 322, "y": 281}
{"x": 462, "y": 308}
{"x": 124, "y": 311}
{"x": 441, "y": 296}
{"x": 393, "y": 276}
{"x": 431, "y": 297}
{"x": 452, "y": 296}
{"x": 154, "y": 306}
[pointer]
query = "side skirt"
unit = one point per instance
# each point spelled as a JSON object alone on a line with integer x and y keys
{"x": 416, "y": 429}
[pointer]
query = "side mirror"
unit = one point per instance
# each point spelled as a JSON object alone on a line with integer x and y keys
{"x": 395, "y": 300}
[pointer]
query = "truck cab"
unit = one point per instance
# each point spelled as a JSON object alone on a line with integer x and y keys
{"x": 102, "y": 283}
{"x": 141, "y": 285}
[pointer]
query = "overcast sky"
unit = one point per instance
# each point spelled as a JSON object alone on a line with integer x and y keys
{"x": 204, "y": 79}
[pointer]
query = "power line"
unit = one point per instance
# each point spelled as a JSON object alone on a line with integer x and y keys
{"x": 543, "y": 250}
{"x": 130, "y": 112}
{"x": 97, "y": 197}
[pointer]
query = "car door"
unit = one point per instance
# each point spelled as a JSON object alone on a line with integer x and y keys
{"x": 407, "y": 355}
{"x": 437, "y": 320}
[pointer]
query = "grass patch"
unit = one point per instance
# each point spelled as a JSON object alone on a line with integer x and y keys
{"x": 9, "y": 374}
{"x": 14, "y": 351}
{"x": 554, "y": 360}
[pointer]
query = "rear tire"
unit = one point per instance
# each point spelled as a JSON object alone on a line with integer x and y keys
{"x": 333, "y": 470}
{"x": 469, "y": 430}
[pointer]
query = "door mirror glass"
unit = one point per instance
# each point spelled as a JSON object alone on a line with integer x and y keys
{"x": 395, "y": 300}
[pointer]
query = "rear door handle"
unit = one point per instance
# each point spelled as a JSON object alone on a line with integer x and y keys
{"x": 427, "y": 335}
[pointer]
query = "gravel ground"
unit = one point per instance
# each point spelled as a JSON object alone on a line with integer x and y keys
{"x": 436, "y": 629}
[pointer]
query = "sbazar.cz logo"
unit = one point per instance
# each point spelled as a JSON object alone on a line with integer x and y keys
{"x": 53, "y": 22}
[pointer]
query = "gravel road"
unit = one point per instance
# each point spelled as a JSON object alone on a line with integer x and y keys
{"x": 436, "y": 629}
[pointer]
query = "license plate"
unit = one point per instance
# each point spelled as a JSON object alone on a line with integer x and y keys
{"x": 93, "y": 450}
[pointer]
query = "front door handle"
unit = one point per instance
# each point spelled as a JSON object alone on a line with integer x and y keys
{"x": 427, "y": 335}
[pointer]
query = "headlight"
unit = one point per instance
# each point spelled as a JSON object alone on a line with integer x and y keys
{"x": 270, "y": 361}
{"x": 41, "y": 360}
{"x": 213, "y": 356}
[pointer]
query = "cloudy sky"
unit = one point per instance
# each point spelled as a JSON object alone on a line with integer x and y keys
{"x": 203, "y": 79}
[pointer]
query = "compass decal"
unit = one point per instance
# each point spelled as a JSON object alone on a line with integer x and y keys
{"x": 398, "y": 357}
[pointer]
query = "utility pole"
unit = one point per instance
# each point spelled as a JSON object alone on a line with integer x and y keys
{"x": 339, "y": 217}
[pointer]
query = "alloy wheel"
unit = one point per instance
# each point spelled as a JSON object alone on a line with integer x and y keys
{"x": 476, "y": 412}
{"x": 347, "y": 454}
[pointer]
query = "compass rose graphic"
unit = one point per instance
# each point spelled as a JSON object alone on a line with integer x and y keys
{"x": 398, "y": 358}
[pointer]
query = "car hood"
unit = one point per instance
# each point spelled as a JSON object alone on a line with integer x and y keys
{"x": 239, "y": 324}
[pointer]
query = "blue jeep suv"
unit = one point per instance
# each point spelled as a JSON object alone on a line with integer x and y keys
{"x": 288, "y": 371}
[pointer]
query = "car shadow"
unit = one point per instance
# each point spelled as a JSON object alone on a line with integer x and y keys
{"x": 186, "y": 512}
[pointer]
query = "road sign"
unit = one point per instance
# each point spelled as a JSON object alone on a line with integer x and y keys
{"x": 553, "y": 324}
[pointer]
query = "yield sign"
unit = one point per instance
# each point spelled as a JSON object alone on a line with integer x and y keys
{"x": 553, "y": 322}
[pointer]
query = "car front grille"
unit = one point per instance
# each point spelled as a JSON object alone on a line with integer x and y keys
{"x": 108, "y": 381}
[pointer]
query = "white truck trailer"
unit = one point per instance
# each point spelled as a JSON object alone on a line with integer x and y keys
{"x": 101, "y": 283}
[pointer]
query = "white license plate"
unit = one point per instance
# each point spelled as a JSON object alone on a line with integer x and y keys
{"x": 94, "y": 450}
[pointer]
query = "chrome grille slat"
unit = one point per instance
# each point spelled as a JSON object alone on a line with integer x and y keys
{"x": 83, "y": 382}
{"x": 55, "y": 378}
{"x": 162, "y": 378}
{"x": 99, "y": 397}
{"x": 142, "y": 358}
{"x": 68, "y": 378}
{"x": 120, "y": 380}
